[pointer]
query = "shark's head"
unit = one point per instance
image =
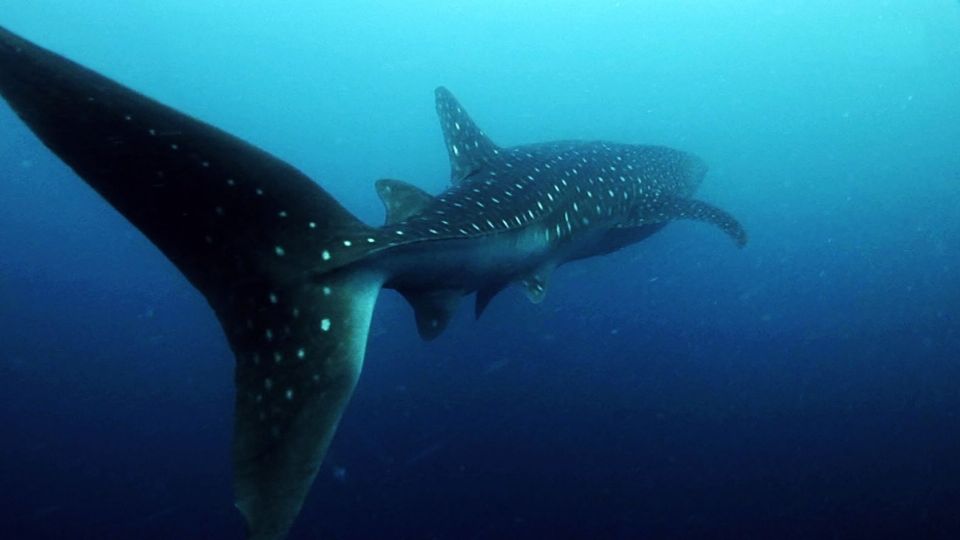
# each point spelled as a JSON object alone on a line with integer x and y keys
{"x": 675, "y": 171}
{"x": 695, "y": 168}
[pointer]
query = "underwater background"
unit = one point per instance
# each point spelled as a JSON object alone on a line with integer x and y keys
{"x": 807, "y": 386}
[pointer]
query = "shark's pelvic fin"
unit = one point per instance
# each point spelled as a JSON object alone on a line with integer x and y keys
{"x": 401, "y": 200}
{"x": 469, "y": 148}
{"x": 484, "y": 296}
{"x": 433, "y": 309}
{"x": 254, "y": 235}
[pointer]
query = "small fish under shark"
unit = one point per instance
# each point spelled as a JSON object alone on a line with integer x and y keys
{"x": 293, "y": 276}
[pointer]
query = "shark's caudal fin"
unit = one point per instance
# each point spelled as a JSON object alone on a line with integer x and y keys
{"x": 255, "y": 236}
{"x": 469, "y": 148}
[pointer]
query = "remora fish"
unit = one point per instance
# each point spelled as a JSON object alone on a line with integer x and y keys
{"x": 293, "y": 276}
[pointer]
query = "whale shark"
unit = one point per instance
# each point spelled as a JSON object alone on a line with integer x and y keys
{"x": 293, "y": 276}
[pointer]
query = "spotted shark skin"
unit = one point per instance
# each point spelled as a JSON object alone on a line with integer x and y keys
{"x": 514, "y": 214}
{"x": 293, "y": 276}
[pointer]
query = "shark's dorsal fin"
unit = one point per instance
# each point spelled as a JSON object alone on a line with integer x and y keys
{"x": 469, "y": 148}
{"x": 682, "y": 208}
{"x": 401, "y": 200}
{"x": 433, "y": 309}
{"x": 535, "y": 284}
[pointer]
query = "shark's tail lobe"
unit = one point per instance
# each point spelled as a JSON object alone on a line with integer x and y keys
{"x": 270, "y": 250}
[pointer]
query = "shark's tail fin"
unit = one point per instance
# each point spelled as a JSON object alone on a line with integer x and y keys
{"x": 268, "y": 248}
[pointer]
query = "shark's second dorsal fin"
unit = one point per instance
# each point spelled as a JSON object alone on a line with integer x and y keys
{"x": 469, "y": 148}
{"x": 401, "y": 200}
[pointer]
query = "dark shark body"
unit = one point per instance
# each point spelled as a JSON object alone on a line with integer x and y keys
{"x": 293, "y": 276}
{"x": 514, "y": 214}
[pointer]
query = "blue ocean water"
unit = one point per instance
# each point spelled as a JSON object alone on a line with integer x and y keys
{"x": 807, "y": 386}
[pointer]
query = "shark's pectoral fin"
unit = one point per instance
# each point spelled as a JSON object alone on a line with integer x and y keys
{"x": 535, "y": 284}
{"x": 432, "y": 309}
{"x": 680, "y": 208}
{"x": 257, "y": 238}
{"x": 469, "y": 148}
{"x": 401, "y": 200}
